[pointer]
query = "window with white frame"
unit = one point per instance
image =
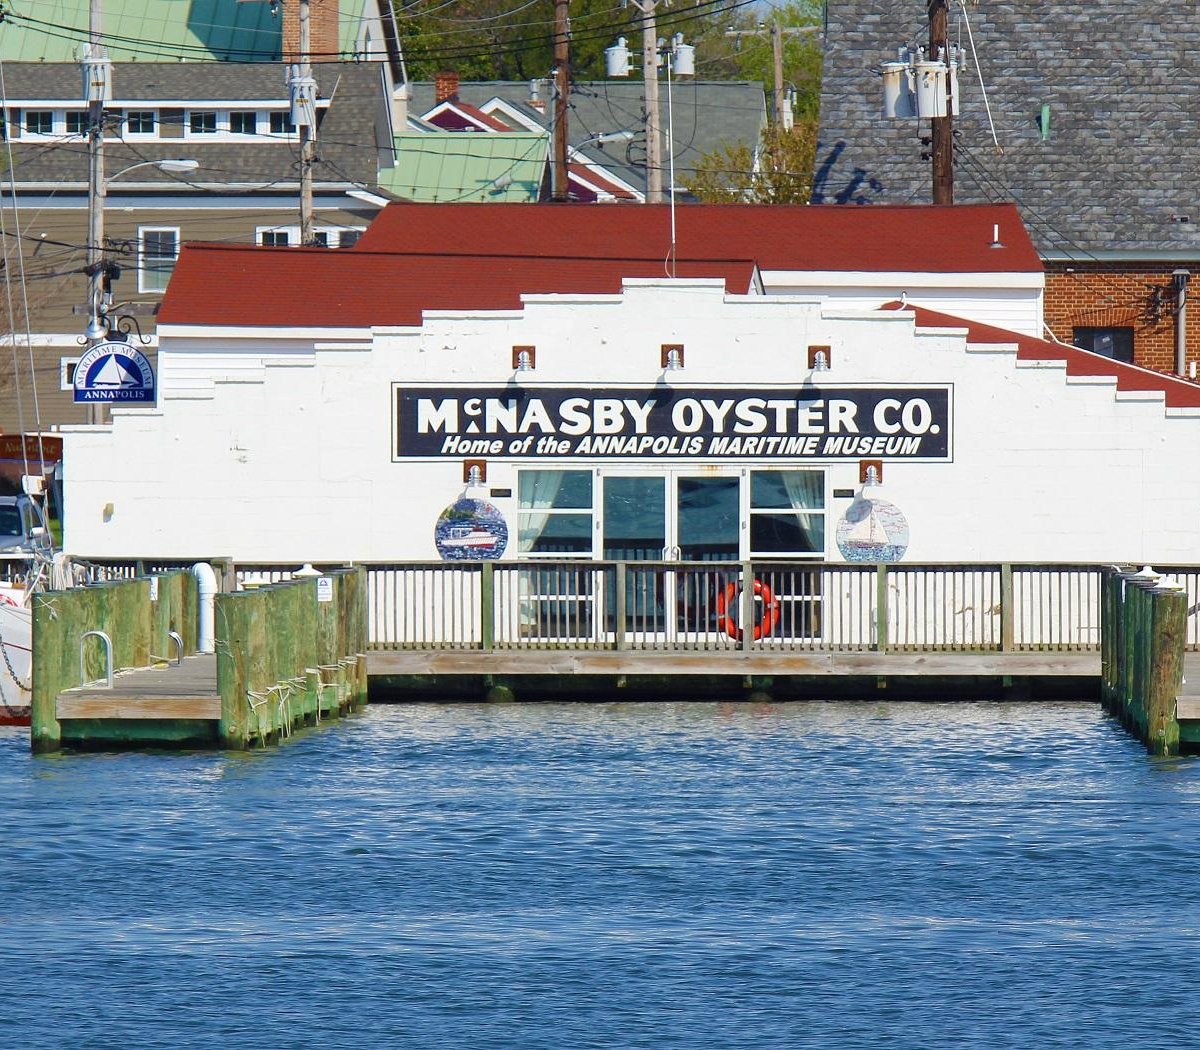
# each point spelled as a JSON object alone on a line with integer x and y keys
{"x": 39, "y": 122}
{"x": 281, "y": 123}
{"x": 77, "y": 122}
{"x": 66, "y": 372}
{"x": 243, "y": 122}
{"x": 202, "y": 122}
{"x": 140, "y": 122}
{"x": 554, "y": 513}
{"x": 787, "y": 513}
{"x": 158, "y": 248}
{"x": 325, "y": 236}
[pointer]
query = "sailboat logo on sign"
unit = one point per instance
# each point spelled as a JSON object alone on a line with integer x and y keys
{"x": 115, "y": 372}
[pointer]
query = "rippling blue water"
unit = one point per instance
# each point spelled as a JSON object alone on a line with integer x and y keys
{"x": 610, "y": 875}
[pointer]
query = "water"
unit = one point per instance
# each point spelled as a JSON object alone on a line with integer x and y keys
{"x": 692, "y": 875}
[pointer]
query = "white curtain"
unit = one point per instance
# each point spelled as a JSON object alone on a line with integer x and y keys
{"x": 806, "y": 491}
{"x": 539, "y": 489}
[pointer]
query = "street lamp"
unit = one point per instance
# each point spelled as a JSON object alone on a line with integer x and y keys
{"x": 605, "y": 138}
{"x": 97, "y": 325}
{"x": 97, "y": 329}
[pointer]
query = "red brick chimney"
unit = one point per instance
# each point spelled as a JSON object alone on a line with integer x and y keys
{"x": 445, "y": 86}
{"x": 324, "y": 39}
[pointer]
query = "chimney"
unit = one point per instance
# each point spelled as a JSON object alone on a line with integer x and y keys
{"x": 445, "y": 86}
{"x": 324, "y": 40}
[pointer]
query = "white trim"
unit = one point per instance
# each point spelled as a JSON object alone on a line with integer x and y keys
{"x": 497, "y": 103}
{"x": 910, "y": 280}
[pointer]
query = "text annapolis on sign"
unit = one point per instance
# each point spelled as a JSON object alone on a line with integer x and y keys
{"x": 830, "y": 422}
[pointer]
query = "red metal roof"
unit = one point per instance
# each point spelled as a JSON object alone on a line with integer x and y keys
{"x": 878, "y": 238}
{"x": 244, "y": 285}
{"x": 1179, "y": 392}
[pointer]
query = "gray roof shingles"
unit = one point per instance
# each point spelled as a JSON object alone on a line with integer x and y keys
{"x": 707, "y": 116}
{"x": 1117, "y": 169}
{"x": 347, "y": 139}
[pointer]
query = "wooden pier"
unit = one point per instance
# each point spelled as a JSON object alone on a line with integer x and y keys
{"x": 285, "y": 656}
{"x": 556, "y": 629}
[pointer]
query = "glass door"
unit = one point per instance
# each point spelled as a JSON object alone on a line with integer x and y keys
{"x": 634, "y": 509}
{"x": 667, "y": 519}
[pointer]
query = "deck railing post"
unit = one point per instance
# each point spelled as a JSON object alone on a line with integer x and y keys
{"x": 881, "y": 607}
{"x": 746, "y": 612}
{"x": 1007, "y": 636}
{"x": 487, "y": 606}
{"x": 619, "y": 580}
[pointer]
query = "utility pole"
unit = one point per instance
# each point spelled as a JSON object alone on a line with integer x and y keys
{"x": 942, "y": 128}
{"x": 308, "y": 132}
{"x": 94, "y": 88}
{"x": 777, "y": 63}
{"x": 97, "y": 85}
{"x": 778, "y": 32}
{"x": 654, "y": 194}
{"x": 562, "y": 88}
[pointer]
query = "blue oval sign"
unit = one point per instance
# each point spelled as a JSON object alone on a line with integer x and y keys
{"x": 114, "y": 372}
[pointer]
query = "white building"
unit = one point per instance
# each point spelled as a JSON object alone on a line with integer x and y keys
{"x": 329, "y": 406}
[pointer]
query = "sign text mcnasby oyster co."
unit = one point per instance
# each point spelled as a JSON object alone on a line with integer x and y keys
{"x": 842, "y": 422}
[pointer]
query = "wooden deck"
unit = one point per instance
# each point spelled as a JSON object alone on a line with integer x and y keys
{"x": 733, "y": 662}
{"x": 184, "y": 691}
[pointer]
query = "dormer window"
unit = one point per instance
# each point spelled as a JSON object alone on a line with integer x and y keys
{"x": 139, "y": 122}
{"x": 39, "y": 122}
{"x": 77, "y": 122}
{"x": 202, "y": 122}
{"x": 281, "y": 123}
{"x": 243, "y": 122}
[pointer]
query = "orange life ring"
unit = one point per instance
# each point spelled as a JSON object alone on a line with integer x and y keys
{"x": 728, "y": 607}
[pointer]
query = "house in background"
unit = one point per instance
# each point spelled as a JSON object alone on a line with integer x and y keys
{"x": 606, "y": 137}
{"x": 1097, "y": 141}
{"x": 231, "y": 117}
{"x": 445, "y": 166}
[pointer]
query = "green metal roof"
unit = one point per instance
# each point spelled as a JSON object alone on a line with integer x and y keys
{"x": 465, "y": 166}
{"x": 156, "y": 30}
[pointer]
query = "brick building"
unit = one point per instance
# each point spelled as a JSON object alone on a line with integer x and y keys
{"x": 1088, "y": 134}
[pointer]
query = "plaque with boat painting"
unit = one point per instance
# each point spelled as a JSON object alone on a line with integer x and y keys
{"x": 471, "y": 530}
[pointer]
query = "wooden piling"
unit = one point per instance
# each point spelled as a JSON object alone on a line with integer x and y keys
{"x": 1143, "y": 634}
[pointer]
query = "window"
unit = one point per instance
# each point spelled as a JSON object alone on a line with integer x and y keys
{"x": 158, "y": 248}
{"x": 39, "y": 122}
{"x": 787, "y": 513}
{"x": 77, "y": 122}
{"x": 554, "y": 512}
{"x": 1116, "y": 343}
{"x": 202, "y": 122}
{"x": 243, "y": 122}
{"x": 66, "y": 372}
{"x": 139, "y": 122}
{"x": 325, "y": 236}
{"x": 281, "y": 124}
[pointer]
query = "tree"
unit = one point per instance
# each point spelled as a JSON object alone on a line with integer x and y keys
{"x": 781, "y": 173}
{"x": 497, "y": 40}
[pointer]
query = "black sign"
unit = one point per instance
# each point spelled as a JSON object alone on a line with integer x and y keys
{"x": 845, "y": 422}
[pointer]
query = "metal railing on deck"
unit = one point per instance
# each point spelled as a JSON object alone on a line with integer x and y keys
{"x": 791, "y": 606}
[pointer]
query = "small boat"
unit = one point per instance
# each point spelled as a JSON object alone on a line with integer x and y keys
{"x": 16, "y": 655}
{"x": 466, "y": 536}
